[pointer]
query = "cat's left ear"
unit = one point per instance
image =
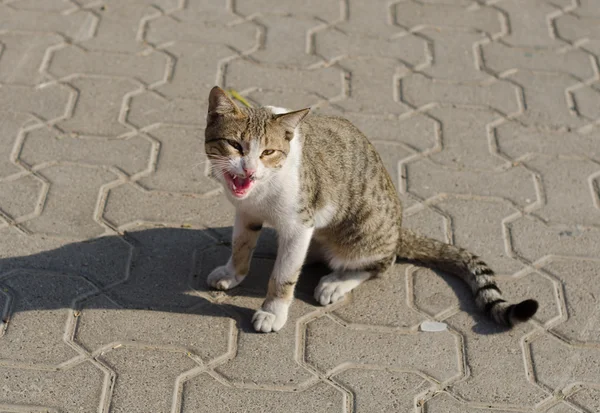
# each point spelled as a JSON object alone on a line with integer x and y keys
{"x": 291, "y": 120}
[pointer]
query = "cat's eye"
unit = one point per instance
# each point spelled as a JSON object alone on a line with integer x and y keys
{"x": 235, "y": 145}
{"x": 267, "y": 152}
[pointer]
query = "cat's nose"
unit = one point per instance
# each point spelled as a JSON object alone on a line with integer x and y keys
{"x": 249, "y": 172}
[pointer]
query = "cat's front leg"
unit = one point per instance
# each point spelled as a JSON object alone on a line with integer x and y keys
{"x": 245, "y": 235}
{"x": 292, "y": 249}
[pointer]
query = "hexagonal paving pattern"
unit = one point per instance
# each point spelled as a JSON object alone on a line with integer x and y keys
{"x": 486, "y": 114}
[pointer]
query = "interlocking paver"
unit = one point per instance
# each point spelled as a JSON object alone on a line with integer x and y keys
{"x": 158, "y": 370}
{"x": 38, "y": 316}
{"x": 560, "y": 365}
{"x": 394, "y": 391}
{"x": 21, "y": 196}
{"x": 485, "y": 113}
{"x": 330, "y": 345}
{"x": 205, "y": 394}
{"x": 71, "y": 201}
{"x": 44, "y": 146}
{"x": 99, "y": 104}
{"x": 74, "y": 390}
{"x": 23, "y": 55}
{"x": 418, "y": 90}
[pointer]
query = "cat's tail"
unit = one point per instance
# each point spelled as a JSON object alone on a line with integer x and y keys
{"x": 472, "y": 270}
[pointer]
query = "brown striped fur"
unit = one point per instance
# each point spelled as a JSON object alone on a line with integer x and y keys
{"x": 347, "y": 197}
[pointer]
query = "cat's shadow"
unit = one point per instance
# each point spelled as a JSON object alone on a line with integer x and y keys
{"x": 157, "y": 269}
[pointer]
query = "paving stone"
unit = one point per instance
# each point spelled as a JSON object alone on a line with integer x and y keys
{"x": 50, "y": 5}
{"x": 40, "y": 308}
{"x": 329, "y": 10}
{"x": 287, "y": 41}
{"x": 194, "y": 72}
{"x": 573, "y": 27}
{"x": 242, "y": 74}
{"x": 418, "y": 131}
{"x": 102, "y": 261}
{"x": 145, "y": 378}
{"x": 20, "y": 197}
{"x": 520, "y": 142}
{"x": 374, "y": 87}
{"x": 426, "y": 179}
{"x": 587, "y": 100}
{"x": 576, "y": 203}
{"x": 197, "y": 31}
{"x": 162, "y": 268}
{"x": 205, "y": 394}
{"x": 336, "y": 43}
{"x": 411, "y": 14}
{"x": 552, "y": 108}
{"x": 495, "y": 362}
{"x": 262, "y": 359}
{"x": 418, "y": 90}
{"x": 151, "y": 108}
{"x": 75, "y": 390}
{"x": 99, "y": 106}
{"x": 390, "y": 293}
{"x": 559, "y": 365}
{"x": 396, "y": 391}
{"x": 71, "y": 201}
{"x": 9, "y": 130}
{"x": 445, "y": 403}
{"x": 552, "y": 239}
{"x": 580, "y": 295}
{"x": 529, "y": 24}
{"x": 44, "y": 146}
{"x": 48, "y": 103}
{"x": 330, "y": 345}
{"x": 102, "y": 322}
{"x": 148, "y": 68}
{"x": 500, "y": 58}
{"x": 465, "y": 138}
{"x": 587, "y": 398}
{"x": 78, "y": 26}
{"x": 128, "y": 205}
{"x": 454, "y": 55}
{"x": 290, "y": 101}
{"x": 119, "y": 24}
{"x": 22, "y": 56}
{"x": 428, "y": 222}
{"x": 182, "y": 165}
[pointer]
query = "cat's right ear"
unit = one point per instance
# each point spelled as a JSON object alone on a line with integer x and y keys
{"x": 220, "y": 104}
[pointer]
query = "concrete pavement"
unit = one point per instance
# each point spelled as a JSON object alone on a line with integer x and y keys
{"x": 486, "y": 113}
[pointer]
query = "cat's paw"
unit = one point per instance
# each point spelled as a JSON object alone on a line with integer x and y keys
{"x": 266, "y": 321}
{"x": 222, "y": 278}
{"x": 331, "y": 289}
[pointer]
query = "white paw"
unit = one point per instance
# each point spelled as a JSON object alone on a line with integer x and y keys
{"x": 273, "y": 319}
{"x": 222, "y": 278}
{"x": 332, "y": 289}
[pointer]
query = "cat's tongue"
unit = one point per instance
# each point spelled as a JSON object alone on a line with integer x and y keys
{"x": 239, "y": 185}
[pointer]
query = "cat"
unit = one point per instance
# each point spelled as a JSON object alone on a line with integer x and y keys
{"x": 323, "y": 187}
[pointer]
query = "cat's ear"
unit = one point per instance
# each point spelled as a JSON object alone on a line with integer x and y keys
{"x": 220, "y": 104}
{"x": 291, "y": 120}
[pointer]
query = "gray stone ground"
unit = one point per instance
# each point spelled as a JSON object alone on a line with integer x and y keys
{"x": 486, "y": 113}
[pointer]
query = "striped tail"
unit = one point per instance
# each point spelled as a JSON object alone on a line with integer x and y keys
{"x": 472, "y": 270}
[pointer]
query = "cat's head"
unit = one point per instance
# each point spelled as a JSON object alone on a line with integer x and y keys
{"x": 246, "y": 146}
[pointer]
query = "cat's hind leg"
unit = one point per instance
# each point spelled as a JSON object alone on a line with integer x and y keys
{"x": 336, "y": 285}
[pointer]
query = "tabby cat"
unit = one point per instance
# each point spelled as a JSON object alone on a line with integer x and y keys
{"x": 321, "y": 184}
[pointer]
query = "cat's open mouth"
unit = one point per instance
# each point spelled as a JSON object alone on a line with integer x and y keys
{"x": 239, "y": 186}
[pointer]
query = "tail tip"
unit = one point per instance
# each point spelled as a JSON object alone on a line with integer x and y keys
{"x": 524, "y": 310}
